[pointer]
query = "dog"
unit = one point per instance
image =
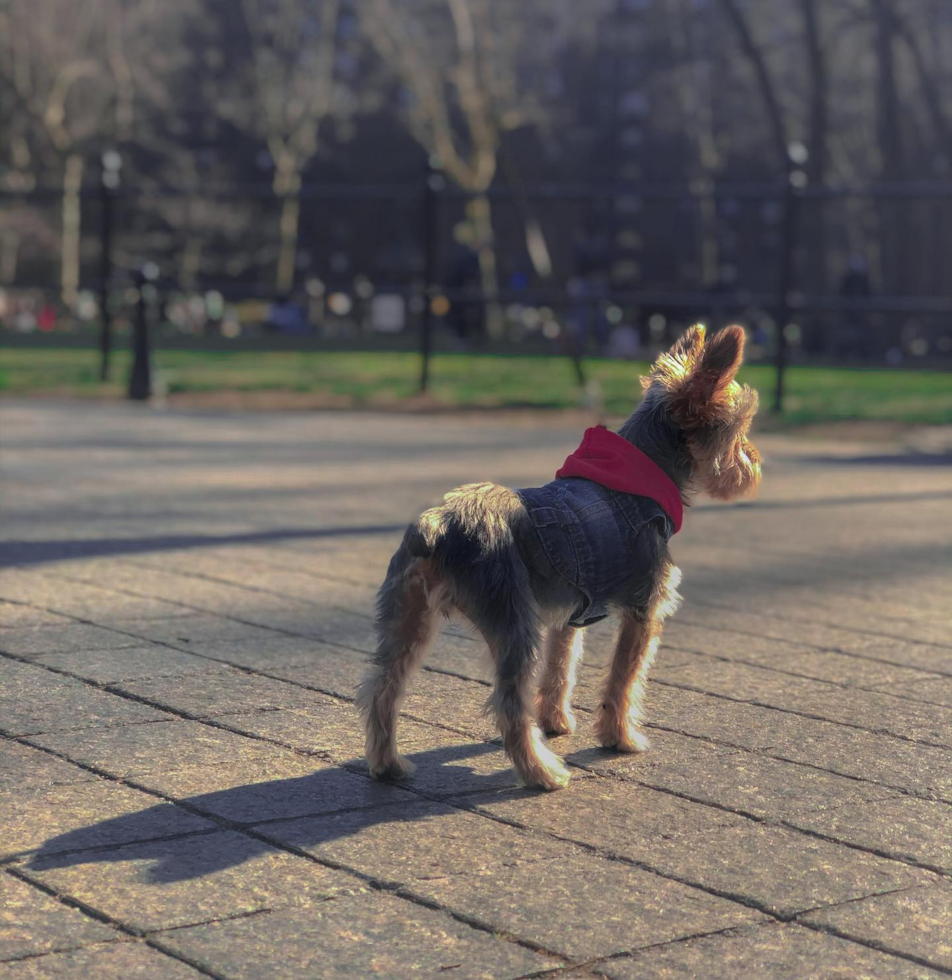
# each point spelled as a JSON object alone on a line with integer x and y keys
{"x": 515, "y": 563}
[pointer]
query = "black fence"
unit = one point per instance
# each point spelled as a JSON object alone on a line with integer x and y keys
{"x": 853, "y": 275}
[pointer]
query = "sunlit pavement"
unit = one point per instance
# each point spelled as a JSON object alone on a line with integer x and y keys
{"x": 187, "y": 608}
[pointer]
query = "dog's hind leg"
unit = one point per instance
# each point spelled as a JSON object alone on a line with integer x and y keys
{"x": 562, "y": 653}
{"x": 408, "y": 613}
{"x": 511, "y": 703}
{"x": 508, "y": 621}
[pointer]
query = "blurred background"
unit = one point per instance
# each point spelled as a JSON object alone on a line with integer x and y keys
{"x": 307, "y": 195}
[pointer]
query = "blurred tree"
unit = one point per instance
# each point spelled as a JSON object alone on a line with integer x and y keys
{"x": 289, "y": 84}
{"x": 472, "y": 70}
{"x": 692, "y": 70}
{"x": 67, "y": 79}
{"x": 712, "y": 91}
{"x": 184, "y": 146}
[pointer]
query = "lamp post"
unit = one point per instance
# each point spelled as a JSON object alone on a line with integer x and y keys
{"x": 111, "y": 165}
{"x": 140, "y": 379}
{"x": 795, "y": 180}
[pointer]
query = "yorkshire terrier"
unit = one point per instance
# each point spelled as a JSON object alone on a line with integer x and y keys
{"x": 563, "y": 556}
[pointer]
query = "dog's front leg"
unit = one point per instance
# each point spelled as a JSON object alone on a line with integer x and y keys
{"x": 562, "y": 653}
{"x": 619, "y": 716}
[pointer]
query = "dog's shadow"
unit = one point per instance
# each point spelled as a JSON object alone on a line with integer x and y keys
{"x": 199, "y": 851}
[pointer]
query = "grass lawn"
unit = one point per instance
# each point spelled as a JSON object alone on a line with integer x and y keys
{"x": 478, "y": 380}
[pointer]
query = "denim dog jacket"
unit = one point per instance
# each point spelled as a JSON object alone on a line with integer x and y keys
{"x": 588, "y": 533}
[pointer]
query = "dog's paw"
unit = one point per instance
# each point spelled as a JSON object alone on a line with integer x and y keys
{"x": 619, "y": 734}
{"x": 632, "y": 740}
{"x": 555, "y": 721}
{"x": 398, "y": 767}
{"x": 549, "y": 778}
{"x": 537, "y": 766}
{"x": 544, "y": 771}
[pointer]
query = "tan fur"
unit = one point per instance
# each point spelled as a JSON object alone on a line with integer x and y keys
{"x": 621, "y": 712}
{"x": 478, "y": 554}
{"x": 562, "y": 654}
{"x": 715, "y": 412}
{"x": 382, "y": 693}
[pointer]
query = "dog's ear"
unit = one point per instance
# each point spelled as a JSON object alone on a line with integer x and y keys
{"x": 675, "y": 366}
{"x": 689, "y": 345}
{"x": 717, "y": 365}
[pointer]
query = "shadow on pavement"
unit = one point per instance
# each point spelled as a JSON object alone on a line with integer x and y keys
{"x": 36, "y": 552}
{"x": 339, "y": 811}
{"x": 844, "y": 501}
{"x": 19, "y": 552}
{"x": 914, "y": 459}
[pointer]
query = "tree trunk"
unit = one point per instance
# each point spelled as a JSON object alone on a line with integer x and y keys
{"x": 758, "y": 63}
{"x": 287, "y": 252}
{"x": 814, "y": 218}
{"x": 190, "y": 263}
{"x": 9, "y": 254}
{"x": 693, "y": 95}
{"x": 71, "y": 229}
{"x": 889, "y": 139}
{"x": 287, "y": 186}
{"x": 931, "y": 92}
{"x": 479, "y": 212}
{"x": 816, "y": 163}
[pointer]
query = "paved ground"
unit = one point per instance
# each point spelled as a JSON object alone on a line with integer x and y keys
{"x": 187, "y": 604}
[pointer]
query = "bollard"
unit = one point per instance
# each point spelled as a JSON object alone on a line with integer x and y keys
{"x": 109, "y": 184}
{"x": 795, "y": 179}
{"x": 140, "y": 379}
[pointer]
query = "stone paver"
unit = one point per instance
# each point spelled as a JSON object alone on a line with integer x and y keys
{"x": 24, "y": 768}
{"x": 83, "y": 815}
{"x": 34, "y": 701}
{"x": 779, "y": 870}
{"x": 586, "y": 907}
{"x": 32, "y": 924}
{"x": 181, "y": 758}
{"x": 69, "y": 638}
{"x": 410, "y": 841}
{"x": 363, "y": 936}
{"x": 167, "y": 884}
{"x": 131, "y": 960}
{"x": 218, "y": 690}
{"x": 781, "y": 952}
{"x": 124, "y": 663}
{"x": 159, "y": 747}
{"x": 284, "y": 786}
{"x": 906, "y": 828}
{"x": 914, "y": 922}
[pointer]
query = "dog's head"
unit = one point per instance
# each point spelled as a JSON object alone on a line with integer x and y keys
{"x": 693, "y": 383}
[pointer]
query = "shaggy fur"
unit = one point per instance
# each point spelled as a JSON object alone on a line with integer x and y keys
{"x": 477, "y": 555}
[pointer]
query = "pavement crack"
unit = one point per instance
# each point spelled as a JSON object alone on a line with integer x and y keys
{"x": 871, "y": 689}
{"x": 93, "y": 913}
{"x": 876, "y": 944}
{"x": 819, "y": 622}
{"x": 801, "y": 714}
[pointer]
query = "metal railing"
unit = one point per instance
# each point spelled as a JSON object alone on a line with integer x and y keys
{"x": 426, "y": 204}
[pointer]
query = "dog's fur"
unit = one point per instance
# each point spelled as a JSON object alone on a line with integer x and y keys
{"x": 478, "y": 555}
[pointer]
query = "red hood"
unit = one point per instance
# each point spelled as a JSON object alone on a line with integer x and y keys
{"x": 606, "y": 458}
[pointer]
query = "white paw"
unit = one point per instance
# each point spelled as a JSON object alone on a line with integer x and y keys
{"x": 398, "y": 767}
{"x": 633, "y": 740}
{"x": 619, "y": 734}
{"x": 545, "y": 771}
